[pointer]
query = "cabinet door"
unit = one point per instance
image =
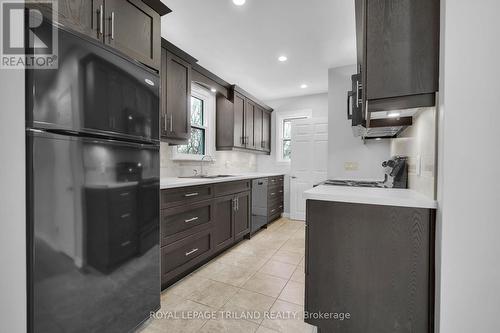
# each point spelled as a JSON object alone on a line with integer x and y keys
{"x": 266, "y": 131}
{"x": 83, "y": 16}
{"x": 257, "y": 125}
{"x": 242, "y": 215}
{"x": 239, "y": 121}
{"x": 402, "y": 48}
{"x": 223, "y": 222}
{"x": 382, "y": 267}
{"x": 176, "y": 94}
{"x": 134, "y": 28}
{"x": 249, "y": 124}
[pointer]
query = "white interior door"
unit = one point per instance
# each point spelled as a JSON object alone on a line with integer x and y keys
{"x": 308, "y": 161}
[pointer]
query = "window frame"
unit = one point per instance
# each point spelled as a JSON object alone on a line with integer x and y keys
{"x": 209, "y": 101}
{"x": 281, "y": 118}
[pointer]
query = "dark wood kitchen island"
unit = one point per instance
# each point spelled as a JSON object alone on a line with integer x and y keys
{"x": 369, "y": 260}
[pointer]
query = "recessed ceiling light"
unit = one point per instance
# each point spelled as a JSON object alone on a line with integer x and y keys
{"x": 393, "y": 115}
{"x": 213, "y": 90}
{"x": 239, "y": 2}
{"x": 303, "y": 86}
{"x": 282, "y": 58}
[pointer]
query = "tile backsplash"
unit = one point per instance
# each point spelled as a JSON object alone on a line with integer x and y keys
{"x": 418, "y": 142}
{"x": 226, "y": 162}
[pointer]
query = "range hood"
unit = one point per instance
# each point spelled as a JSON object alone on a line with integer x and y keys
{"x": 384, "y": 124}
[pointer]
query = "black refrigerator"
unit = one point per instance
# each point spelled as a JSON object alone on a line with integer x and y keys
{"x": 93, "y": 191}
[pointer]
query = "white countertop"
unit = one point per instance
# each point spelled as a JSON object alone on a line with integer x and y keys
{"x": 371, "y": 196}
{"x": 174, "y": 182}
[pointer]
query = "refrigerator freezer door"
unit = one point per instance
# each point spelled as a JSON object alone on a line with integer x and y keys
{"x": 94, "y": 91}
{"x": 94, "y": 233}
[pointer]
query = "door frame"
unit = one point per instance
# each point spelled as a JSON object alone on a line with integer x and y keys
{"x": 316, "y": 177}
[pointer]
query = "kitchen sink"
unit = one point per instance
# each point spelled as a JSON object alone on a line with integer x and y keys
{"x": 208, "y": 176}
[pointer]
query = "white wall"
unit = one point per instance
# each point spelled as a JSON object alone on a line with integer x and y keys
{"x": 469, "y": 160}
{"x": 12, "y": 203}
{"x": 418, "y": 143}
{"x": 318, "y": 104}
{"x": 343, "y": 147}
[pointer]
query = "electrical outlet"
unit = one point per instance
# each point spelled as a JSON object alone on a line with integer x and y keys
{"x": 351, "y": 166}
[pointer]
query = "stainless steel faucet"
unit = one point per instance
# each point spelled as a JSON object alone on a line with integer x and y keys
{"x": 201, "y": 163}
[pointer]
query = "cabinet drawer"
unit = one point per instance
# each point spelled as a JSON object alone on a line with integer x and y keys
{"x": 184, "y": 195}
{"x": 276, "y": 181}
{"x": 177, "y": 255}
{"x": 123, "y": 196}
{"x": 232, "y": 187}
{"x": 122, "y": 246}
{"x": 124, "y": 222}
{"x": 275, "y": 192}
{"x": 183, "y": 221}
{"x": 275, "y": 208}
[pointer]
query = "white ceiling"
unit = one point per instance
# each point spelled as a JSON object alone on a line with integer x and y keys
{"x": 242, "y": 44}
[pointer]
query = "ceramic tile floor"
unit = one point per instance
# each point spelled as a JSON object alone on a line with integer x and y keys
{"x": 259, "y": 282}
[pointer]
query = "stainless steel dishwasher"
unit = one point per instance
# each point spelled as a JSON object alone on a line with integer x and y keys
{"x": 259, "y": 203}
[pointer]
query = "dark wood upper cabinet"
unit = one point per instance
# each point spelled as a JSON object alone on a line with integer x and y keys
{"x": 398, "y": 53}
{"x": 133, "y": 27}
{"x": 242, "y": 123}
{"x": 175, "y": 98}
{"x": 249, "y": 124}
{"x": 130, "y": 26}
{"x": 239, "y": 121}
{"x": 257, "y": 128}
{"x": 266, "y": 131}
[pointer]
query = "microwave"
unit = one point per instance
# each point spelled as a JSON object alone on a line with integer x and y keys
{"x": 370, "y": 125}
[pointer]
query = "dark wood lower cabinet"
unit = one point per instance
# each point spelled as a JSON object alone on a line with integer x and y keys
{"x": 242, "y": 215}
{"x": 374, "y": 262}
{"x": 199, "y": 222}
{"x": 223, "y": 229}
{"x": 179, "y": 257}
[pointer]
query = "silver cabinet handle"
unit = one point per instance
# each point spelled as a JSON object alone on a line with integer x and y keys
{"x": 273, "y": 210}
{"x": 124, "y": 216}
{"x": 191, "y": 252}
{"x": 191, "y": 220}
{"x": 126, "y": 243}
{"x": 124, "y": 194}
{"x": 237, "y": 203}
{"x": 101, "y": 20}
{"x": 272, "y": 194}
{"x": 165, "y": 123}
{"x": 171, "y": 123}
{"x": 112, "y": 25}
{"x": 187, "y": 195}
